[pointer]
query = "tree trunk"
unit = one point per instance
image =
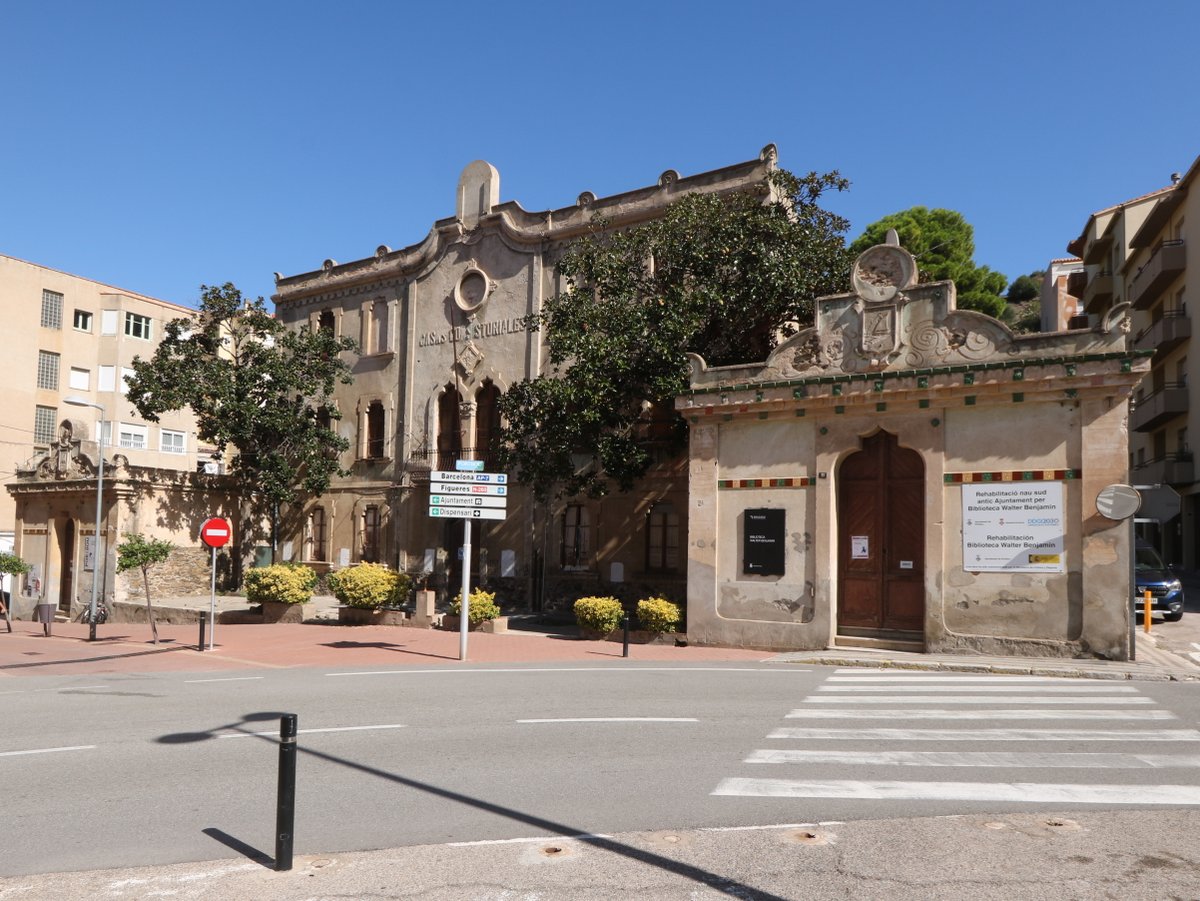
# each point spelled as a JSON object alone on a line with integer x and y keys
{"x": 149, "y": 608}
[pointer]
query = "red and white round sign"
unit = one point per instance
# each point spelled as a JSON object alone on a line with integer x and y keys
{"x": 215, "y": 532}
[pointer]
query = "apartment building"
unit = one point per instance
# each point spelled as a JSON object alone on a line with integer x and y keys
{"x": 1137, "y": 253}
{"x": 74, "y": 338}
{"x": 1062, "y": 286}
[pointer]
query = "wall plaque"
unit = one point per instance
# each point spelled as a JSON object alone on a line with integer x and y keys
{"x": 763, "y": 547}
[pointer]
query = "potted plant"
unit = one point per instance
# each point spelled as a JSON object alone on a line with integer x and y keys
{"x": 366, "y": 591}
{"x": 483, "y": 613}
{"x": 598, "y": 616}
{"x": 282, "y": 589}
{"x": 657, "y": 619}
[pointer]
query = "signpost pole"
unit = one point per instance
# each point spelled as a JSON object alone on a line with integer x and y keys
{"x": 214, "y": 532}
{"x": 464, "y": 619}
{"x": 212, "y": 602}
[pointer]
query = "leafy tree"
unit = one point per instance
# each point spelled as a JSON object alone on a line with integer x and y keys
{"x": 724, "y": 277}
{"x": 944, "y": 244}
{"x": 136, "y": 552}
{"x": 253, "y": 385}
{"x": 1026, "y": 287}
{"x": 1024, "y": 317}
{"x": 10, "y": 565}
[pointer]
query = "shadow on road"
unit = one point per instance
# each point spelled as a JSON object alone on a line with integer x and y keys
{"x": 384, "y": 646}
{"x": 696, "y": 874}
{"x": 181, "y": 647}
{"x": 248, "y": 851}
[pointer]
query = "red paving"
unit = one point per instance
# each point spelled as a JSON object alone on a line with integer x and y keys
{"x": 126, "y": 648}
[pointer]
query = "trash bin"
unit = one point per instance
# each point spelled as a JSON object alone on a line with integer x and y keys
{"x": 44, "y": 614}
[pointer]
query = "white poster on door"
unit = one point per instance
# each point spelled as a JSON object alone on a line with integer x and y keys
{"x": 1013, "y": 527}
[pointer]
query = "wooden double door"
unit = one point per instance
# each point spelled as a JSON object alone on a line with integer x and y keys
{"x": 881, "y": 541}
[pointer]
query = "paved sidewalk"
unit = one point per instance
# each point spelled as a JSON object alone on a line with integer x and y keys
{"x": 127, "y": 648}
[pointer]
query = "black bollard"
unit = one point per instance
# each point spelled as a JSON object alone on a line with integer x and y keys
{"x": 285, "y": 807}
{"x": 625, "y": 643}
{"x": 203, "y": 623}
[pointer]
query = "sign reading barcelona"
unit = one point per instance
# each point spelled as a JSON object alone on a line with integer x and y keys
{"x": 467, "y": 494}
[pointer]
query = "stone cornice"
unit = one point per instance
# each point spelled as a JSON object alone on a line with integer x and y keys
{"x": 1062, "y": 379}
{"x": 519, "y": 229}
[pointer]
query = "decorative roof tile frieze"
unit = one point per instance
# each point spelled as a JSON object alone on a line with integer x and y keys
{"x": 904, "y": 340}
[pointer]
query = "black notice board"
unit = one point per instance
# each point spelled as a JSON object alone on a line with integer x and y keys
{"x": 762, "y": 542}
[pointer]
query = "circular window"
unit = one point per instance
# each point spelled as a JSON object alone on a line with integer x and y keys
{"x": 472, "y": 290}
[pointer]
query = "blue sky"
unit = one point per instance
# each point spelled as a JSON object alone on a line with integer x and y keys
{"x": 157, "y": 146}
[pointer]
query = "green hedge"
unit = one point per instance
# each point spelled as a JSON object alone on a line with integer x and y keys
{"x": 369, "y": 585}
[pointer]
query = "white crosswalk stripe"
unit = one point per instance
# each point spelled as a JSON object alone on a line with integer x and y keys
{"x": 1028, "y": 792}
{"x": 973, "y": 699}
{"x": 910, "y": 688}
{"x": 1008, "y": 759}
{"x": 986, "y": 735}
{"x": 936, "y": 713}
{"x": 853, "y": 697}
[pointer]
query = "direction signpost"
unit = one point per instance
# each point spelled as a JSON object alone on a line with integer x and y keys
{"x": 214, "y": 532}
{"x": 466, "y": 492}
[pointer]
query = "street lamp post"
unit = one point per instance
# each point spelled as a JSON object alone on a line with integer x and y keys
{"x": 97, "y": 555}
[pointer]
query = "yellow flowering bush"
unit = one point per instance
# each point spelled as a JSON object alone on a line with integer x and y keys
{"x": 284, "y": 583}
{"x": 658, "y": 615}
{"x": 600, "y": 614}
{"x": 482, "y": 606}
{"x": 369, "y": 585}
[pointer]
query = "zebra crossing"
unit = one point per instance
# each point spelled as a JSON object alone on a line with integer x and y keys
{"x": 974, "y": 738}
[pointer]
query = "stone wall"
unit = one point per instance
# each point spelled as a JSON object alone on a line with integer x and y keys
{"x": 186, "y": 573}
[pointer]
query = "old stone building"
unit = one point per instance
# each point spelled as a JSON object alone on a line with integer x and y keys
{"x": 55, "y": 495}
{"x": 442, "y": 326}
{"x": 907, "y": 474}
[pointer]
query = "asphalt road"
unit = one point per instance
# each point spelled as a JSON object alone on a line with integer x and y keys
{"x": 156, "y": 769}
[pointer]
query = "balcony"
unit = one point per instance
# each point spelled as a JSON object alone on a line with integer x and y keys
{"x": 1167, "y": 260}
{"x": 1150, "y": 412}
{"x": 1172, "y": 330}
{"x": 446, "y": 459}
{"x": 1170, "y": 469}
{"x": 1099, "y": 292}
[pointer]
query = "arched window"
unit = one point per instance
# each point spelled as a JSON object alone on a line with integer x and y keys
{"x": 487, "y": 423}
{"x": 325, "y": 321}
{"x": 449, "y": 438}
{"x": 317, "y": 535}
{"x": 376, "y": 445}
{"x": 662, "y": 539}
{"x": 370, "y": 534}
{"x": 576, "y": 538}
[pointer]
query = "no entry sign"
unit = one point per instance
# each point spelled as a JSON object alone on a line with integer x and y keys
{"x": 215, "y": 532}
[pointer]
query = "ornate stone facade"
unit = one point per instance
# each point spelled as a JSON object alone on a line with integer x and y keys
{"x": 870, "y": 435}
{"x": 443, "y": 325}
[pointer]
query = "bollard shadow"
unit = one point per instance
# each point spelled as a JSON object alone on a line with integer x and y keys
{"x": 714, "y": 881}
{"x": 385, "y": 646}
{"x": 248, "y": 851}
{"x": 98, "y": 659}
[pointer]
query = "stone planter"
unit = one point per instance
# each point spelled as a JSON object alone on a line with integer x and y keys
{"x": 636, "y": 636}
{"x": 276, "y": 612}
{"x": 451, "y": 623}
{"x": 370, "y": 616}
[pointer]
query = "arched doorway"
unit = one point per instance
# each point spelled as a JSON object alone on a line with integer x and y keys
{"x": 881, "y": 542}
{"x": 66, "y": 547}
